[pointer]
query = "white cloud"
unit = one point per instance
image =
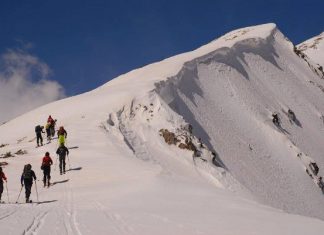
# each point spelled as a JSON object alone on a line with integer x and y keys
{"x": 24, "y": 84}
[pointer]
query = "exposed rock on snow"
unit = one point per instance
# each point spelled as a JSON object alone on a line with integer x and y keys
{"x": 313, "y": 49}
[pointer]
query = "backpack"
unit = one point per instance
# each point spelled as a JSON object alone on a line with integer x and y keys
{"x": 37, "y": 128}
{"x": 61, "y": 151}
{"x": 46, "y": 162}
{"x": 27, "y": 174}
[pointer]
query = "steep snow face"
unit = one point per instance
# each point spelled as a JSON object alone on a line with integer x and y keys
{"x": 229, "y": 96}
{"x": 314, "y": 49}
{"x": 133, "y": 169}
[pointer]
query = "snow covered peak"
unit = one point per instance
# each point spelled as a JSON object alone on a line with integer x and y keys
{"x": 182, "y": 146}
{"x": 314, "y": 49}
{"x": 259, "y": 31}
{"x": 169, "y": 67}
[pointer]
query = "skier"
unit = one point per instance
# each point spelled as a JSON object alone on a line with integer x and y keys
{"x": 27, "y": 179}
{"x": 52, "y": 123}
{"x": 62, "y": 151}
{"x": 39, "y": 130}
{"x": 50, "y": 119}
{"x": 61, "y": 134}
{"x": 48, "y": 132}
{"x": 46, "y": 167}
{"x": 52, "y": 128}
{"x": 275, "y": 119}
{"x": 2, "y": 177}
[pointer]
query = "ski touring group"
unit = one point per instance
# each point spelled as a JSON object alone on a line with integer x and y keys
{"x": 28, "y": 175}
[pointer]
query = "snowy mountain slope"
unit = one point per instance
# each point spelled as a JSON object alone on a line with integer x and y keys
{"x": 314, "y": 48}
{"x": 124, "y": 177}
{"x": 230, "y": 99}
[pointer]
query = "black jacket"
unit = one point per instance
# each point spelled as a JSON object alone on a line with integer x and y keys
{"x": 28, "y": 177}
{"x": 38, "y": 129}
{"x": 62, "y": 151}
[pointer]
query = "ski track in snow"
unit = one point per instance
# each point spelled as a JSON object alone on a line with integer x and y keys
{"x": 7, "y": 215}
{"x": 120, "y": 226}
{"x": 36, "y": 224}
{"x": 68, "y": 207}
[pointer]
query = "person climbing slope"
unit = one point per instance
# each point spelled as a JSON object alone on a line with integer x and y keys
{"x": 50, "y": 119}
{"x": 48, "y": 131}
{"x": 39, "y": 130}
{"x": 61, "y": 134}
{"x": 2, "y": 178}
{"x": 62, "y": 151}
{"x": 27, "y": 179}
{"x": 46, "y": 167}
{"x": 52, "y": 123}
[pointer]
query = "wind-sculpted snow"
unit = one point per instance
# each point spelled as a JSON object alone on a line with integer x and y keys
{"x": 229, "y": 95}
{"x": 182, "y": 146}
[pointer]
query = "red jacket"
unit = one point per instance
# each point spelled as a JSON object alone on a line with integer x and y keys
{"x": 50, "y": 120}
{"x": 47, "y": 161}
{"x": 2, "y": 176}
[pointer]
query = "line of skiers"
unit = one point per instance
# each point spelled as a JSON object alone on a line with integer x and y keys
{"x": 50, "y": 132}
{"x": 28, "y": 175}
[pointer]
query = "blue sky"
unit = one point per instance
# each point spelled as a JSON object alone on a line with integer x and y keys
{"x": 87, "y": 43}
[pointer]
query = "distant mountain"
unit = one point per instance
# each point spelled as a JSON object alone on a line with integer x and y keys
{"x": 187, "y": 145}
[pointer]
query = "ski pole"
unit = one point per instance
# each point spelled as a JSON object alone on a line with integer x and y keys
{"x": 55, "y": 162}
{"x": 69, "y": 162}
{"x": 36, "y": 191}
{"x": 7, "y": 192}
{"x": 19, "y": 193}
